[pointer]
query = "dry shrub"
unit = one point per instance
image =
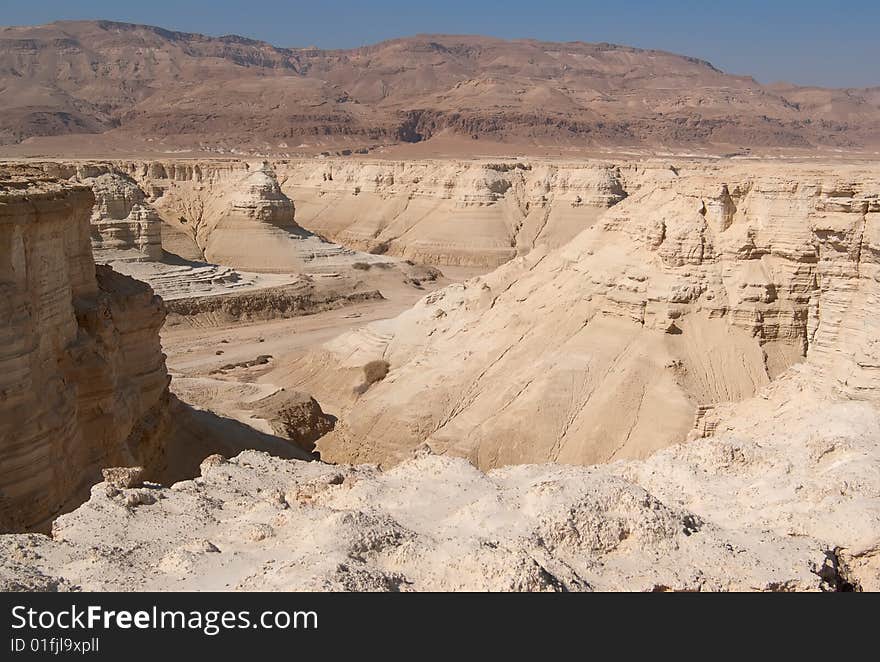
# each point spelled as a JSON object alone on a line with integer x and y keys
{"x": 375, "y": 371}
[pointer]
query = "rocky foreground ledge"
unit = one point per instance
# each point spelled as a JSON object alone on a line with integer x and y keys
{"x": 761, "y": 507}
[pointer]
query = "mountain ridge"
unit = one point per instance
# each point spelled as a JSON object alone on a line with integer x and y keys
{"x": 189, "y": 90}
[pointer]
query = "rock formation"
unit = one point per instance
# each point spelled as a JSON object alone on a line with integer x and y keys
{"x": 430, "y": 524}
{"x": 304, "y": 296}
{"x": 124, "y": 227}
{"x": 195, "y": 230}
{"x": 689, "y": 293}
{"x": 295, "y": 416}
{"x": 657, "y": 366}
{"x": 729, "y": 305}
{"x": 783, "y": 501}
{"x": 235, "y": 214}
{"x": 253, "y": 228}
{"x": 82, "y": 375}
{"x": 476, "y": 213}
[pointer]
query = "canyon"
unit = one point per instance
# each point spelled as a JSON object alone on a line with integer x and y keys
{"x": 442, "y": 313}
{"x": 698, "y": 287}
{"x": 607, "y": 363}
{"x": 84, "y": 384}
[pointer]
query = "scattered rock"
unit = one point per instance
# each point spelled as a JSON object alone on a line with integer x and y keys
{"x": 123, "y": 477}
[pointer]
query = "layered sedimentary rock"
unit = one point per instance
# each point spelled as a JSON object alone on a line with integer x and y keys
{"x": 475, "y": 213}
{"x": 785, "y": 497}
{"x": 160, "y": 90}
{"x": 227, "y": 212}
{"x": 235, "y": 214}
{"x": 727, "y": 304}
{"x": 302, "y": 297}
{"x": 692, "y": 292}
{"x": 82, "y": 375}
{"x": 195, "y": 229}
{"x": 124, "y": 227}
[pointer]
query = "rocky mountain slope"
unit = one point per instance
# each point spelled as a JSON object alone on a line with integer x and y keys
{"x": 191, "y": 91}
{"x": 691, "y": 292}
{"x": 724, "y": 306}
{"x": 83, "y": 383}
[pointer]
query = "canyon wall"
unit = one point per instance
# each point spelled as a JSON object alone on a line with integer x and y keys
{"x": 235, "y": 214}
{"x": 434, "y": 212}
{"x": 692, "y": 292}
{"x": 474, "y": 213}
{"x": 83, "y": 383}
{"x": 193, "y": 228}
{"x": 732, "y": 304}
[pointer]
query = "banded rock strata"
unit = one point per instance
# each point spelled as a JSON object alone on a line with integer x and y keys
{"x": 475, "y": 213}
{"x": 82, "y": 374}
{"x": 687, "y": 294}
{"x": 124, "y": 227}
{"x": 236, "y": 214}
{"x": 200, "y": 229}
{"x": 154, "y": 89}
{"x": 738, "y": 303}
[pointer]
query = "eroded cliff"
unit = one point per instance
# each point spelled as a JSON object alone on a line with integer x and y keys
{"x": 729, "y": 304}
{"x": 235, "y": 214}
{"x": 83, "y": 383}
{"x": 195, "y": 230}
{"x": 446, "y": 212}
{"x": 692, "y": 292}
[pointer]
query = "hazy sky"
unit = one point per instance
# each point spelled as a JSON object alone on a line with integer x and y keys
{"x": 803, "y": 41}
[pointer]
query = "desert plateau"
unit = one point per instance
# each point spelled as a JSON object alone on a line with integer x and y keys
{"x": 440, "y": 313}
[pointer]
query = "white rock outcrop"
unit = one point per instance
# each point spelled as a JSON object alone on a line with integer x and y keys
{"x": 432, "y": 523}
{"x": 692, "y": 292}
{"x": 125, "y": 228}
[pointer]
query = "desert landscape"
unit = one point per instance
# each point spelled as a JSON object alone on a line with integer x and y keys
{"x": 443, "y": 313}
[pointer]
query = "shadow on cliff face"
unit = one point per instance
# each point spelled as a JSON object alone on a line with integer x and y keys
{"x": 198, "y": 433}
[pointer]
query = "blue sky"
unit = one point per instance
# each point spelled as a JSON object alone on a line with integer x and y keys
{"x": 802, "y": 41}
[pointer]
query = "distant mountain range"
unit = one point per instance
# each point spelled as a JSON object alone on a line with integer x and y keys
{"x": 120, "y": 80}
